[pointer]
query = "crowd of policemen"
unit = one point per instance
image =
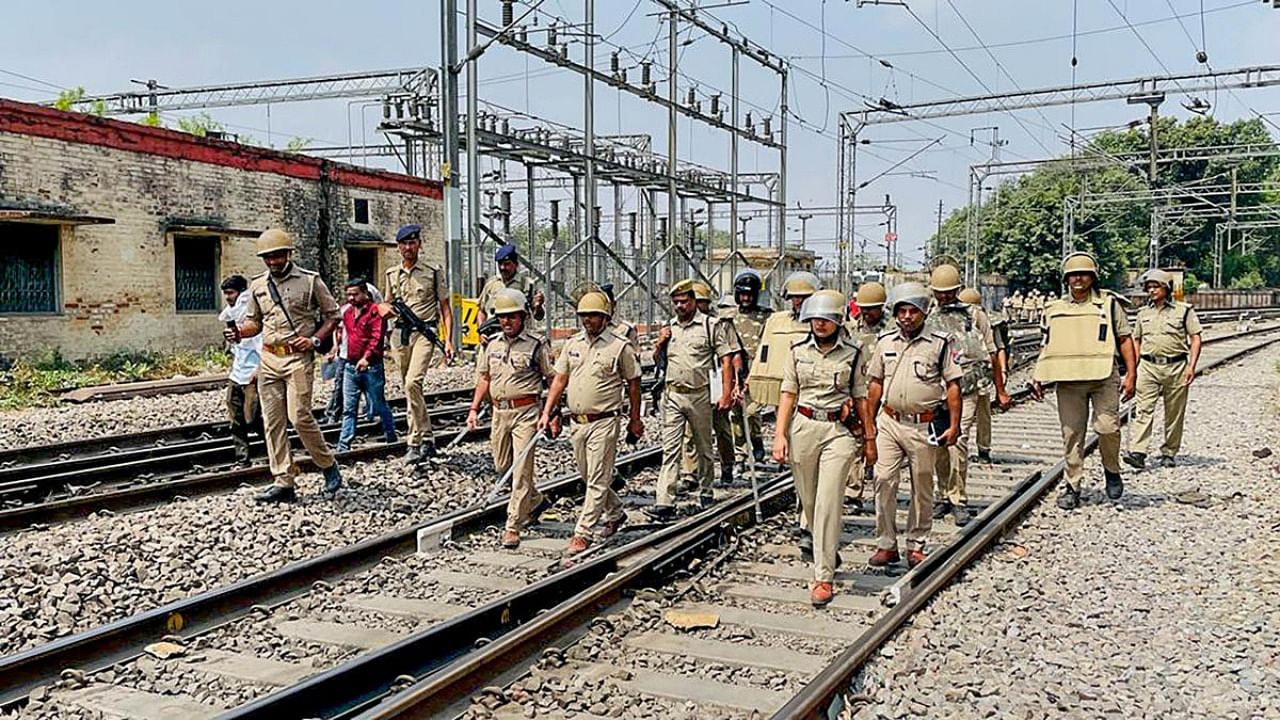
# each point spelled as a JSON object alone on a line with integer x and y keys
{"x": 864, "y": 390}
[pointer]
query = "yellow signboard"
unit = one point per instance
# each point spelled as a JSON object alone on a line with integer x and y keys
{"x": 469, "y": 310}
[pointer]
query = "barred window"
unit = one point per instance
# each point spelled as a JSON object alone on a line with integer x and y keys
{"x": 28, "y": 268}
{"x": 195, "y": 263}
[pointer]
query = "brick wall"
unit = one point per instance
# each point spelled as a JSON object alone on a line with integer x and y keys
{"x": 117, "y": 280}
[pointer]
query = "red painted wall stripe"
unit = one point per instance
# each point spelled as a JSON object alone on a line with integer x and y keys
{"x": 27, "y": 119}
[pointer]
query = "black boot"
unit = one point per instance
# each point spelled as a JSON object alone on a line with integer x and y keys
{"x": 1135, "y": 460}
{"x": 660, "y": 513}
{"x": 961, "y": 515}
{"x": 984, "y": 456}
{"x": 726, "y": 476}
{"x": 1069, "y": 498}
{"x": 806, "y": 548}
{"x": 1115, "y": 484}
{"x": 942, "y": 509}
{"x": 277, "y": 494}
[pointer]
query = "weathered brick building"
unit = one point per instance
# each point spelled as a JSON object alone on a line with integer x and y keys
{"x": 115, "y": 236}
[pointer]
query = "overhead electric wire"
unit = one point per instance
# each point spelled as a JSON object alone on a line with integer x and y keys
{"x": 55, "y": 86}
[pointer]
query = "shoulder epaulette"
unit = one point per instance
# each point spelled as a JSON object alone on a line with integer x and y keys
{"x": 886, "y": 333}
{"x": 802, "y": 341}
{"x": 940, "y": 336}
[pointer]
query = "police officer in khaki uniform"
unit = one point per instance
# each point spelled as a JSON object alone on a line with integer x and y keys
{"x": 1082, "y": 332}
{"x": 748, "y": 319}
{"x": 1166, "y": 338}
{"x": 508, "y": 277}
{"x": 916, "y": 375}
{"x": 721, "y": 420}
{"x": 695, "y": 345}
{"x": 1000, "y": 333}
{"x": 823, "y": 398}
{"x": 973, "y": 343}
{"x": 594, "y": 366}
{"x": 424, "y": 290}
{"x": 865, "y": 328}
{"x": 510, "y": 371}
{"x": 296, "y": 314}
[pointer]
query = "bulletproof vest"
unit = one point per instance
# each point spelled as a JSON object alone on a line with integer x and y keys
{"x": 750, "y": 326}
{"x": 1079, "y": 342}
{"x": 780, "y": 331}
{"x": 959, "y": 323}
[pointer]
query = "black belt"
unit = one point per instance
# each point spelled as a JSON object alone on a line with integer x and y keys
{"x": 1171, "y": 360}
{"x": 581, "y": 418}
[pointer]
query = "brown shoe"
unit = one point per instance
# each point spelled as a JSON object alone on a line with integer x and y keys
{"x": 821, "y": 594}
{"x": 577, "y": 544}
{"x": 510, "y": 539}
{"x": 884, "y": 556}
{"x": 915, "y": 557}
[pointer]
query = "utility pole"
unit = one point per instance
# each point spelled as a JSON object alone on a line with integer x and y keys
{"x": 673, "y": 209}
{"x": 804, "y": 238}
{"x": 473, "y": 148}
{"x": 1153, "y": 101}
{"x": 589, "y": 131}
{"x": 937, "y": 237}
{"x": 449, "y": 173}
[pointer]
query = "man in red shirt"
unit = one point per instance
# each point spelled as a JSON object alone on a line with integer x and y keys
{"x": 364, "y": 330}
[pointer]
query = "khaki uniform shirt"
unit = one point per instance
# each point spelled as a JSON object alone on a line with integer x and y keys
{"x": 915, "y": 371}
{"x": 626, "y": 331}
{"x": 823, "y": 380}
{"x": 866, "y": 335}
{"x": 519, "y": 281}
{"x": 749, "y": 325}
{"x": 422, "y": 288}
{"x": 598, "y": 369}
{"x": 304, "y": 296}
{"x": 695, "y": 349}
{"x": 1166, "y": 331}
{"x": 515, "y": 366}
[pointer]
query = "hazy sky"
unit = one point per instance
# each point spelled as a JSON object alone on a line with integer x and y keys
{"x": 101, "y": 46}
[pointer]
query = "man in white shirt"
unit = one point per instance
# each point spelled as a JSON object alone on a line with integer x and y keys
{"x": 243, "y": 410}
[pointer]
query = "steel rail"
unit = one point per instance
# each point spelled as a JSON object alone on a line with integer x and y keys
{"x": 821, "y": 697}
{"x": 103, "y": 646}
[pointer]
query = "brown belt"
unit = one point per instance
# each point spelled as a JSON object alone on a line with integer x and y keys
{"x": 280, "y": 349}
{"x": 920, "y": 417}
{"x": 592, "y": 417}
{"x": 814, "y": 414}
{"x": 516, "y": 402}
{"x": 686, "y": 390}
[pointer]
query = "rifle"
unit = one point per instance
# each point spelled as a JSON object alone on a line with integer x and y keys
{"x": 409, "y": 321}
{"x": 660, "y": 376}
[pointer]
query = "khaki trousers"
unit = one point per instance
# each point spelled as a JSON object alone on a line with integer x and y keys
{"x": 680, "y": 411}
{"x": 821, "y": 453}
{"x": 1075, "y": 399}
{"x": 951, "y": 466}
{"x": 899, "y": 445}
{"x": 511, "y": 432}
{"x": 413, "y": 360}
{"x": 284, "y": 388}
{"x": 984, "y": 421}
{"x": 724, "y": 448}
{"x": 595, "y": 446}
{"x": 1159, "y": 382}
{"x": 858, "y": 468}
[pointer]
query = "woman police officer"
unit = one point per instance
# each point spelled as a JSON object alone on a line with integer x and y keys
{"x": 825, "y": 386}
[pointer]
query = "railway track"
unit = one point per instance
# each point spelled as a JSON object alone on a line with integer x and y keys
{"x": 757, "y": 647}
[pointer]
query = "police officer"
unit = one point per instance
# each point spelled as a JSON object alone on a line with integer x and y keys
{"x": 1166, "y": 339}
{"x": 1082, "y": 332}
{"x": 720, "y": 419}
{"x": 865, "y": 328}
{"x": 694, "y": 344}
{"x": 916, "y": 375}
{"x": 617, "y": 325}
{"x": 972, "y": 341}
{"x": 510, "y": 371}
{"x": 748, "y": 319}
{"x": 296, "y": 314}
{"x": 594, "y": 366}
{"x": 425, "y": 292}
{"x": 1000, "y": 333}
{"x": 781, "y": 330}
{"x": 823, "y": 398}
{"x": 508, "y": 276}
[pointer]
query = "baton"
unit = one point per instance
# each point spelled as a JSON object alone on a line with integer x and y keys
{"x": 496, "y": 490}
{"x": 463, "y": 432}
{"x": 751, "y": 461}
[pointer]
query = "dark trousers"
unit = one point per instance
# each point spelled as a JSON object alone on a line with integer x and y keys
{"x": 245, "y": 414}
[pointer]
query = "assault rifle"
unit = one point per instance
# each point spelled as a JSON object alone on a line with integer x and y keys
{"x": 660, "y": 379}
{"x": 409, "y": 321}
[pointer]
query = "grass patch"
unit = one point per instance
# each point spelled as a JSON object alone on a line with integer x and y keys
{"x": 37, "y": 381}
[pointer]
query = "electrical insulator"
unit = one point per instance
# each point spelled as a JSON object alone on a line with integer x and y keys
{"x": 622, "y": 75}
{"x": 751, "y": 126}
{"x": 522, "y": 34}
{"x": 386, "y": 108}
{"x": 692, "y": 97}
{"x": 646, "y": 73}
{"x": 715, "y": 104}
{"x": 564, "y": 52}
{"x": 551, "y": 35}
{"x": 506, "y": 201}
{"x": 508, "y": 12}
{"x": 768, "y": 127}
{"x": 399, "y": 108}
{"x": 614, "y": 63}
{"x": 506, "y": 126}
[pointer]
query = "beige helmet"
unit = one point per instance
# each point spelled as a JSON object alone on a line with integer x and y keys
{"x": 701, "y": 291}
{"x": 871, "y": 294}
{"x": 945, "y": 277}
{"x": 273, "y": 240}
{"x": 595, "y": 302}
{"x": 971, "y": 296}
{"x": 1156, "y": 275}
{"x": 684, "y": 287}
{"x": 509, "y": 300}
{"x": 911, "y": 293}
{"x": 1079, "y": 262}
{"x": 801, "y": 283}
{"x": 824, "y": 304}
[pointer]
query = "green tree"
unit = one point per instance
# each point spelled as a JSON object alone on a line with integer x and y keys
{"x": 297, "y": 144}
{"x": 200, "y": 125}
{"x": 68, "y": 98}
